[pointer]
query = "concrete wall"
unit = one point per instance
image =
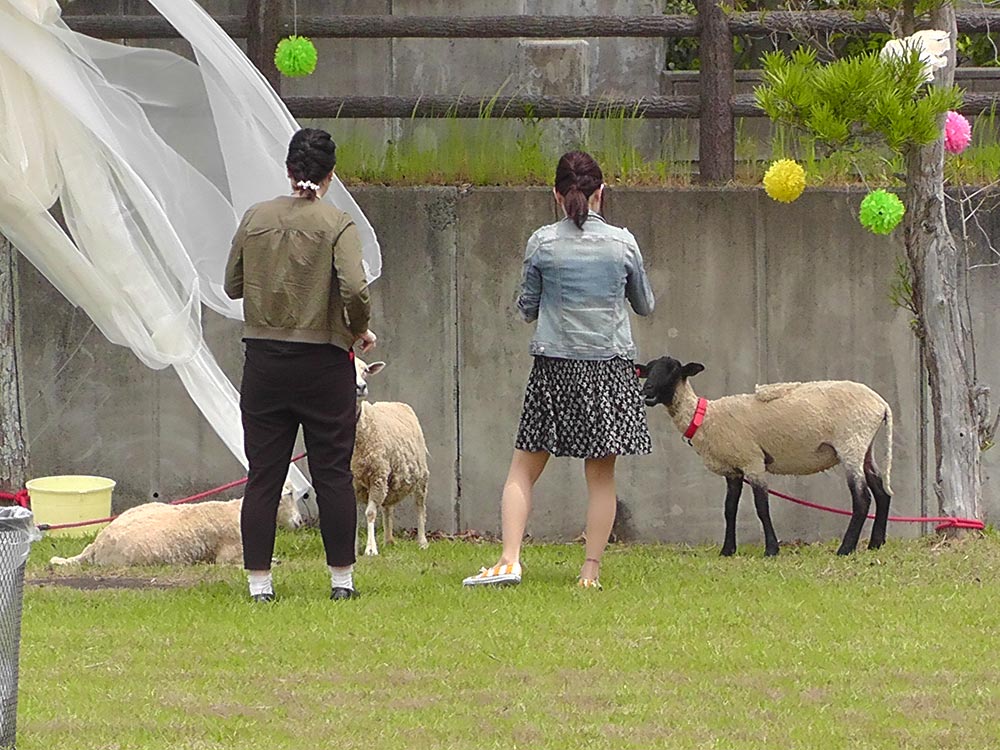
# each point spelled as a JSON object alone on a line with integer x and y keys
{"x": 755, "y": 290}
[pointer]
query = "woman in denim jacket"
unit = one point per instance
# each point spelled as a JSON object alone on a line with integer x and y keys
{"x": 583, "y": 397}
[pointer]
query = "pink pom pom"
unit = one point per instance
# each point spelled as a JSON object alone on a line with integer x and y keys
{"x": 957, "y": 133}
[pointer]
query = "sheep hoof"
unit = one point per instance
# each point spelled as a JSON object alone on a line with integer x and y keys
{"x": 845, "y": 550}
{"x": 727, "y": 552}
{"x": 371, "y": 552}
{"x": 424, "y": 544}
{"x": 876, "y": 543}
{"x": 771, "y": 552}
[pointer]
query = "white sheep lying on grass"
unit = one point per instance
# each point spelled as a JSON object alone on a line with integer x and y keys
{"x": 784, "y": 428}
{"x": 164, "y": 534}
{"x": 390, "y": 460}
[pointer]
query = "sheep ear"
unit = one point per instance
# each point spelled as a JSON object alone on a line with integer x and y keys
{"x": 374, "y": 368}
{"x": 642, "y": 370}
{"x": 691, "y": 369}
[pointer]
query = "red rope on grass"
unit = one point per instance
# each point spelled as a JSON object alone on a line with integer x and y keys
{"x": 944, "y": 522}
{"x": 182, "y": 501}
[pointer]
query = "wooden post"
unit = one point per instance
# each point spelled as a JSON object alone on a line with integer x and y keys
{"x": 716, "y": 144}
{"x": 13, "y": 446}
{"x": 263, "y": 35}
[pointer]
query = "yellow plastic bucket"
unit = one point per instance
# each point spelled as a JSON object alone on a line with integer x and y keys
{"x": 68, "y": 499}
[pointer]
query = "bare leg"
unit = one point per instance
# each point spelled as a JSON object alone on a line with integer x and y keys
{"x": 600, "y": 473}
{"x": 525, "y": 469}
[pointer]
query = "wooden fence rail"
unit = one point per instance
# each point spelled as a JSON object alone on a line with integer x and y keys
{"x": 653, "y": 107}
{"x": 466, "y": 107}
{"x": 265, "y": 23}
{"x": 534, "y": 27}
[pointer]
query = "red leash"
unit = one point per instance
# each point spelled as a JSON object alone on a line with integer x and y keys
{"x": 20, "y": 497}
{"x": 945, "y": 522}
{"x": 23, "y": 495}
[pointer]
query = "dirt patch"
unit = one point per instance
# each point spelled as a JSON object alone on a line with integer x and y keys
{"x": 816, "y": 696}
{"x": 469, "y": 535}
{"x": 92, "y": 583}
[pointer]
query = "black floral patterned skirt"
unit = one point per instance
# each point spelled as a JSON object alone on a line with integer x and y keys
{"x": 584, "y": 409}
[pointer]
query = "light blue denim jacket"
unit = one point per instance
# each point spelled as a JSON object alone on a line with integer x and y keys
{"x": 575, "y": 285}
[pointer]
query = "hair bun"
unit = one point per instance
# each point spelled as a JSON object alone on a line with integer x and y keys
{"x": 577, "y": 178}
{"x": 312, "y": 155}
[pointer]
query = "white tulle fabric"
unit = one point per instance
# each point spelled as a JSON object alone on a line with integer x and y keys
{"x": 152, "y": 160}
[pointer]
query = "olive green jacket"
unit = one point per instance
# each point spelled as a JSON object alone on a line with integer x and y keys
{"x": 297, "y": 265}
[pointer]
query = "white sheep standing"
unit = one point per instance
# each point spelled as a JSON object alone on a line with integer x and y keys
{"x": 389, "y": 461}
{"x": 783, "y": 428}
{"x": 164, "y": 534}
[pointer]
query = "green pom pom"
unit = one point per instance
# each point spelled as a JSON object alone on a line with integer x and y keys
{"x": 295, "y": 56}
{"x": 881, "y": 212}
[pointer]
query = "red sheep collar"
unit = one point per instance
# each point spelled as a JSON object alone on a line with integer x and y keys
{"x": 697, "y": 419}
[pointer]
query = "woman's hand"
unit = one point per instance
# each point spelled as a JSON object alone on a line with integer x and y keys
{"x": 367, "y": 341}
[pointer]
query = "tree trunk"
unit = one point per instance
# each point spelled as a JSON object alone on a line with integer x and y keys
{"x": 263, "y": 34}
{"x": 716, "y": 139}
{"x": 13, "y": 448}
{"x": 945, "y": 335}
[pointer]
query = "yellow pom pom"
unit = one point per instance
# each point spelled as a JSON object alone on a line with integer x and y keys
{"x": 785, "y": 180}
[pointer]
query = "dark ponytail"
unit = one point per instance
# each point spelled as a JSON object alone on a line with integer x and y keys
{"x": 312, "y": 155}
{"x": 577, "y": 177}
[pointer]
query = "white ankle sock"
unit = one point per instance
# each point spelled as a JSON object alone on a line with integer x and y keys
{"x": 260, "y": 582}
{"x": 342, "y": 578}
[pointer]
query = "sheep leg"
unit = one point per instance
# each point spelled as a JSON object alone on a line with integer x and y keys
{"x": 764, "y": 514}
{"x": 387, "y": 524}
{"x": 861, "y": 500}
{"x": 734, "y": 488}
{"x": 376, "y": 499}
{"x": 357, "y": 543}
{"x": 371, "y": 513}
{"x": 421, "y": 497}
{"x": 882, "y": 498}
{"x": 230, "y": 554}
{"x": 86, "y": 556}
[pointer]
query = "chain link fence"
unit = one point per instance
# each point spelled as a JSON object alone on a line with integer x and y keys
{"x": 17, "y": 532}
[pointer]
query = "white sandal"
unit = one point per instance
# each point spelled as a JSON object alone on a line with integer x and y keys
{"x": 498, "y": 575}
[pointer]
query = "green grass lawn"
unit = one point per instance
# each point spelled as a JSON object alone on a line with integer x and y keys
{"x": 683, "y": 649}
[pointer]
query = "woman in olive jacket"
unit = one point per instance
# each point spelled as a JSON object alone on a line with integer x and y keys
{"x": 296, "y": 263}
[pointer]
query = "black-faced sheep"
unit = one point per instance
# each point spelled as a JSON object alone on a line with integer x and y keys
{"x": 784, "y": 428}
{"x": 389, "y": 461}
{"x": 164, "y": 534}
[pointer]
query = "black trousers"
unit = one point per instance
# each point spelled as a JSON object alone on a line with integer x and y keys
{"x": 286, "y": 385}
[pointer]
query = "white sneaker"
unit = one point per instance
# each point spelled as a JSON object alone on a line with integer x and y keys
{"x": 498, "y": 575}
